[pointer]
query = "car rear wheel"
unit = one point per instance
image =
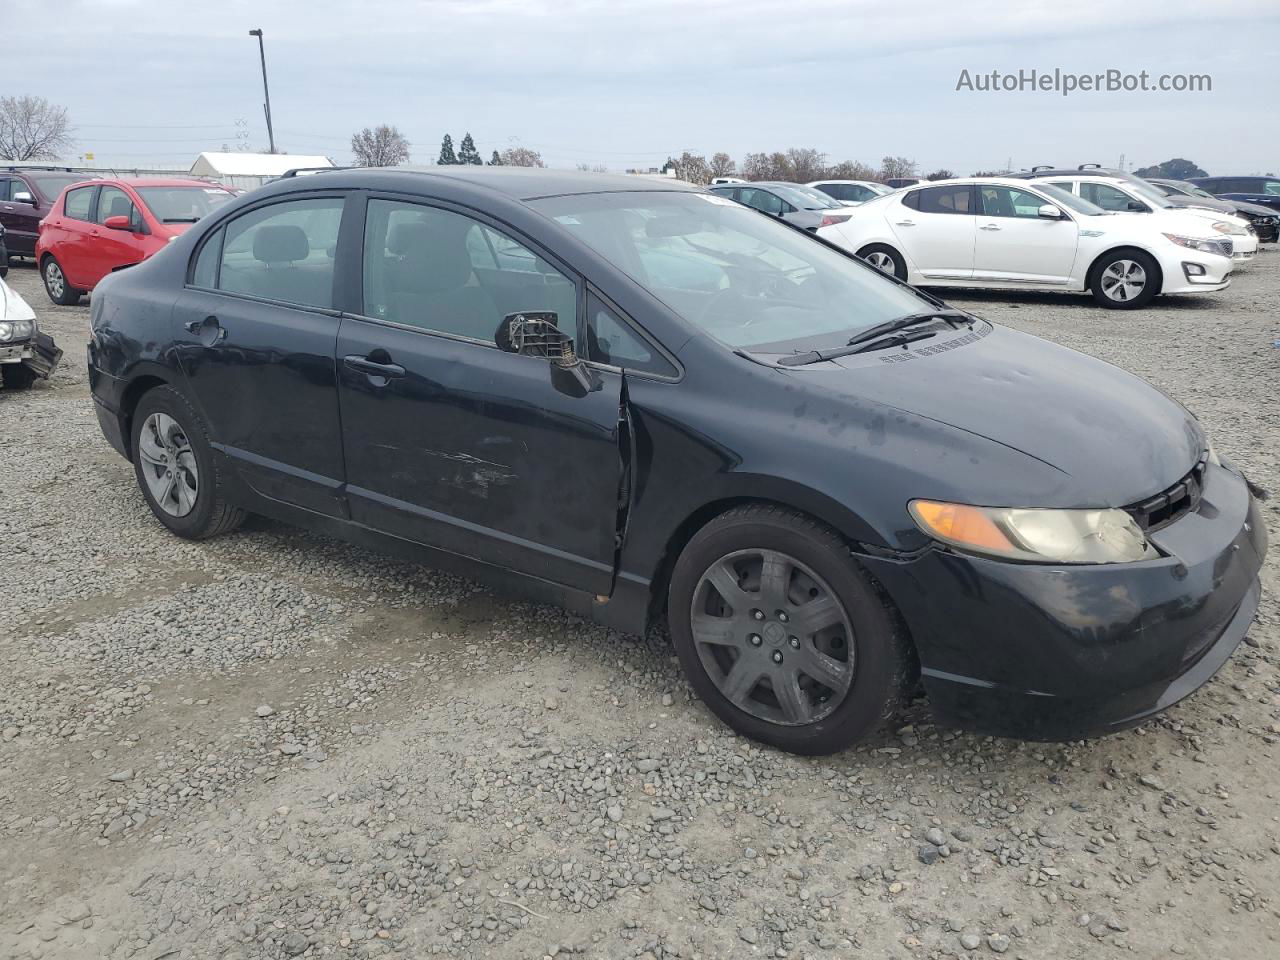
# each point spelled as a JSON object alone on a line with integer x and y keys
{"x": 782, "y": 635}
{"x": 886, "y": 259}
{"x": 4, "y": 261}
{"x": 1125, "y": 280}
{"x": 174, "y": 465}
{"x": 55, "y": 284}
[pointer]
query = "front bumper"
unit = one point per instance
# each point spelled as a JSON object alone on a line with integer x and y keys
{"x": 16, "y": 352}
{"x": 1044, "y": 652}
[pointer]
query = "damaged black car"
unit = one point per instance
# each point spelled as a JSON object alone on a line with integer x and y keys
{"x": 650, "y": 404}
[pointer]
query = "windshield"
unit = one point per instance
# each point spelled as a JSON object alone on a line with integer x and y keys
{"x": 747, "y": 280}
{"x": 804, "y": 197}
{"x": 182, "y": 204}
{"x": 52, "y": 184}
{"x": 879, "y": 188}
{"x": 1069, "y": 200}
{"x": 1149, "y": 193}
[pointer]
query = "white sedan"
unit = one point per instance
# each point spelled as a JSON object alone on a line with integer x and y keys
{"x": 1014, "y": 234}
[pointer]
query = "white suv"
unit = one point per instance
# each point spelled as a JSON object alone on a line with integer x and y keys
{"x": 1131, "y": 195}
{"x": 1015, "y": 234}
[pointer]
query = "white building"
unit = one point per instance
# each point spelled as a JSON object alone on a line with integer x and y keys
{"x": 249, "y": 170}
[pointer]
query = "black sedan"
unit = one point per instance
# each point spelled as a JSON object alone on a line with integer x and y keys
{"x": 641, "y": 400}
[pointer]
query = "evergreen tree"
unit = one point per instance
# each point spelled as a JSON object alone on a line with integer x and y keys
{"x": 496, "y": 161}
{"x": 468, "y": 153}
{"x": 447, "y": 156}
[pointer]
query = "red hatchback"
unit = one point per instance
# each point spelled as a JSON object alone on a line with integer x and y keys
{"x": 102, "y": 225}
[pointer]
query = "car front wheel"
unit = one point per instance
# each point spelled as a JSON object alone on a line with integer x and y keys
{"x": 174, "y": 465}
{"x": 1125, "y": 280}
{"x": 782, "y": 635}
{"x": 55, "y": 284}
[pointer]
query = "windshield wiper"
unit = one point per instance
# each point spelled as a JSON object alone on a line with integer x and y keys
{"x": 875, "y": 337}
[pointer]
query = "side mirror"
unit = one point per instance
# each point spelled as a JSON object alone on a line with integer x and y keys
{"x": 22, "y": 196}
{"x": 1049, "y": 212}
{"x": 536, "y": 333}
{"x": 1137, "y": 206}
{"x": 118, "y": 223}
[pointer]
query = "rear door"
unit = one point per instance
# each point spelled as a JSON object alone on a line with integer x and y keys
{"x": 1015, "y": 243}
{"x": 450, "y": 441}
{"x": 71, "y": 236}
{"x": 935, "y": 228}
{"x": 255, "y": 329}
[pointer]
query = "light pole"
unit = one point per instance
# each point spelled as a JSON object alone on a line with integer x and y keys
{"x": 271, "y": 137}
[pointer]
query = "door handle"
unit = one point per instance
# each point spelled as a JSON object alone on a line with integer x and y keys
{"x": 906, "y": 223}
{"x": 989, "y": 226}
{"x": 372, "y": 368}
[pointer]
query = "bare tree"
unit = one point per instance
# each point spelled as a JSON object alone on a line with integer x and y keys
{"x": 891, "y": 167}
{"x": 806, "y": 164}
{"x": 521, "y": 157}
{"x": 722, "y": 165}
{"x": 381, "y": 146}
{"x": 32, "y": 128}
{"x": 756, "y": 166}
{"x": 943, "y": 174}
{"x": 692, "y": 168}
{"x": 853, "y": 170}
{"x": 593, "y": 168}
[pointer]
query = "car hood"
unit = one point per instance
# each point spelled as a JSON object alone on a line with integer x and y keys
{"x": 12, "y": 306}
{"x": 1110, "y": 437}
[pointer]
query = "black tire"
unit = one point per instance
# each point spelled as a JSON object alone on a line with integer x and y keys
{"x": 1109, "y": 293}
{"x": 883, "y": 663}
{"x": 210, "y": 515}
{"x": 17, "y": 376}
{"x": 4, "y": 261}
{"x": 50, "y": 272}
{"x": 879, "y": 252}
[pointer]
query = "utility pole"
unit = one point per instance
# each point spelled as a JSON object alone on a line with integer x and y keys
{"x": 266, "y": 107}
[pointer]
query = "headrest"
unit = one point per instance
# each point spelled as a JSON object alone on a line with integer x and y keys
{"x": 435, "y": 250}
{"x": 120, "y": 207}
{"x": 281, "y": 243}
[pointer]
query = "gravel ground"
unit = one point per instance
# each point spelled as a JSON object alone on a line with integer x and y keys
{"x": 273, "y": 745}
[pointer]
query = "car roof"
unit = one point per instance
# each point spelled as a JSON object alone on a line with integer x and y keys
{"x": 518, "y": 183}
{"x": 152, "y": 182}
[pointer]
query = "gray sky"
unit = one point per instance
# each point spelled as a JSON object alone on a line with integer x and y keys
{"x": 627, "y": 84}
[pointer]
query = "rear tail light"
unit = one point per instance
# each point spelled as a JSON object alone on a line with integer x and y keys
{"x": 832, "y": 218}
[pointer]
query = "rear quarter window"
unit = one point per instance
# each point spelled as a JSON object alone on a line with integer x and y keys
{"x": 79, "y": 203}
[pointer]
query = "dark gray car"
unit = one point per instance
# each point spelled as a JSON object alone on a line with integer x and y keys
{"x": 1264, "y": 220}
{"x": 795, "y": 203}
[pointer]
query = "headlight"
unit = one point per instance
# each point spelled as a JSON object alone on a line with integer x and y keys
{"x": 1038, "y": 536}
{"x": 16, "y": 330}
{"x": 1204, "y": 246}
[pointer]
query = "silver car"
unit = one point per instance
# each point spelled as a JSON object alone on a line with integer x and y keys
{"x": 795, "y": 203}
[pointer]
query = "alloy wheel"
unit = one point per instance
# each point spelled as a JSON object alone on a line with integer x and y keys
{"x": 773, "y": 637}
{"x": 881, "y": 261}
{"x": 1123, "y": 280}
{"x": 169, "y": 464}
{"x": 54, "y": 281}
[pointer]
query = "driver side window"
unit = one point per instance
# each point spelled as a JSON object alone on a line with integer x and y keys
{"x": 1105, "y": 196}
{"x": 764, "y": 201}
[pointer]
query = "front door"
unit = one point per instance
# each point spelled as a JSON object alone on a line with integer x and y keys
{"x": 109, "y": 250}
{"x": 935, "y": 228}
{"x": 255, "y": 330}
{"x": 1016, "y": 244}
{"x": 448, "y": 440}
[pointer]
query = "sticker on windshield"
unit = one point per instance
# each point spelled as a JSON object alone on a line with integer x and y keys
{"x": 215, "y": 191}
{"x": 569, "y": 220}
{"x": 712, "y": 198}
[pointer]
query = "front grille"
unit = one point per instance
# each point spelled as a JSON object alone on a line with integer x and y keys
{"x": 1227, "y": 246}
{"x": 1171, "y": 504}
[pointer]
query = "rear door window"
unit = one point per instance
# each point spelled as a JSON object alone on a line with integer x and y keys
{"x": 79, "y": 203}
{"x": 283, "y": 252}
{"x": 945, "y": 200}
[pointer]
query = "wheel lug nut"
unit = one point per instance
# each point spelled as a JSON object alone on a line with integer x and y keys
{"x": 782, "y": 615}
{"x": 777, "y": 656}
{"x": 795, "y": 643}
{"x": 755, "y": 639}
{"x": 757, "y": 614}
